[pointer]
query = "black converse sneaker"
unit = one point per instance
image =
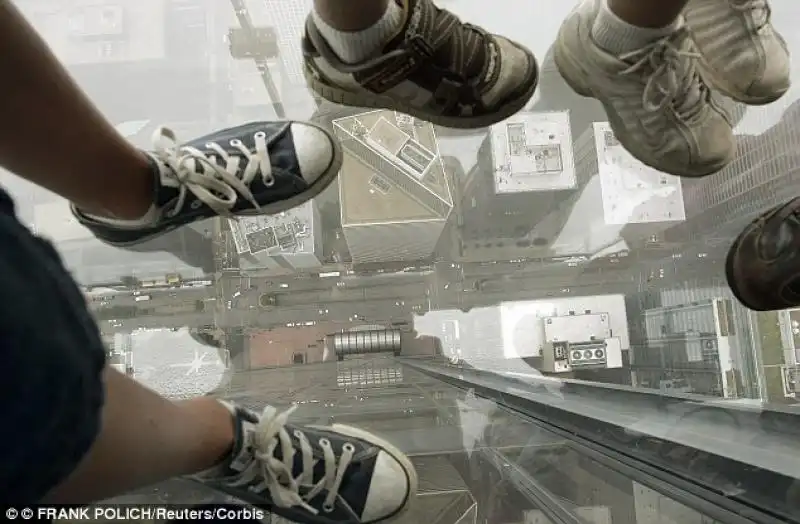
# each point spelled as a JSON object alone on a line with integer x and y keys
{"x": 252, "y": 169}
{"x": 314, "y": 474}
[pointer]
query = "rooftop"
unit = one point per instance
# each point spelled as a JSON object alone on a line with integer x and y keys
{"x": 392, "y": 170}
{"x": 533, "y": 152}
{"x": 633, "y": 193}
{"x": 287, "y": 233}
{"x": 174, "y": 364}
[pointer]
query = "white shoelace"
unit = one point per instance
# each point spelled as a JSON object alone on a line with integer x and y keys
{"x": 283, "y": 487}
{"x": 668, "y": 82}
{"x": 197, "y": 172}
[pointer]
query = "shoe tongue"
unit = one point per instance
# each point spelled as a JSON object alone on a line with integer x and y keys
{"x": 691, "y": 93}
{"x": 297, "y": 458}
{"x": 425, "y": 20}
{"x": 693, "y": 96}
{"x": 165, "y": 187}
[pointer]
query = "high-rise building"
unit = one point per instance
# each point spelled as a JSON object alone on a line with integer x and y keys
{"x": 283, "y": 243}
{"x": 139, "y": 60}
{"x": 85, "y": 32}
{"x": 288, "y": 19}
{"x": 394, "y": 192}
{"x": 624, "y": 198}
{"x": 525, "y": 171}
{"x": 764, "y": 173}
{"x": 693, "y": 338}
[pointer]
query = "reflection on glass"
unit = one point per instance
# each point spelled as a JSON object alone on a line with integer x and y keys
{"x": 537, "y": 251}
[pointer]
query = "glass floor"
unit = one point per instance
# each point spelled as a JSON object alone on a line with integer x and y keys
{"x": 477, "y": 460}
{"x": 548, "y": 342}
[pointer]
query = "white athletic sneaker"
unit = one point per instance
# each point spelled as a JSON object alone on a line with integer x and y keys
{"x": 742, "y": 54}
{"x": 660, "y": 109}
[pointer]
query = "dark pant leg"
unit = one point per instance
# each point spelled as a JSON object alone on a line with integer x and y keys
{"x": 51, "y": 361}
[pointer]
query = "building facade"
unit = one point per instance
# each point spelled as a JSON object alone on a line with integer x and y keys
{"x": 764, "y": 173}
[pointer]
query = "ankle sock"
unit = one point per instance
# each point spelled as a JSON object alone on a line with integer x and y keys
{"x": 617, "y": 36}
{"x": 353, "y": 47}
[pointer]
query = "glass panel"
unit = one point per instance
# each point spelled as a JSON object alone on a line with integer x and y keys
{"x": 477, "y": 462}
{"x": 536, "y": 251}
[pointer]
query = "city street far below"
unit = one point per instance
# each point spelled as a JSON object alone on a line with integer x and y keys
{"x": 445, "y": 270}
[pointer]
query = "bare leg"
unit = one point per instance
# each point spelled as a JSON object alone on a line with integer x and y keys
{"x": 658, "y": 13}
{"x": 145, "y": 439}
{"x": 350, "y": 15}
{"x": 53, "y": 136}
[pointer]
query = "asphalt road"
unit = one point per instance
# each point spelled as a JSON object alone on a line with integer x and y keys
{"x": 379, "y": 298}
{"x": 380, "y": 302}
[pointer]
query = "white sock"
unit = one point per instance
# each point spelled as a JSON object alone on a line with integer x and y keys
{"x": 617, "y": 36}
{"x": 353, "y": 47}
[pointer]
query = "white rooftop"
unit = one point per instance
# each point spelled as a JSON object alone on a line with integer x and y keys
{"x": 522, "y": 322}
{"x": 287, "y": 233}
{"x": 634, "y": 193}
{"x": 533, "y": 152}
{"x": 174, "y": 364}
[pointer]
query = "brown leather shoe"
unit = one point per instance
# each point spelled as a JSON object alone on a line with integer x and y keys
{"x": 437, "y": 69}
{"x": 763, "y": 264}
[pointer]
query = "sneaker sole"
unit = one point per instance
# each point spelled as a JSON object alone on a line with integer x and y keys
{"x": 711, "y": 79}
{"x": 577, "y": 78}
{"x": 729, "y": 271}
{"x": 317, "y": 187}
{"x": 373, "y": 101}
{"x": 402, "y": 458}
{"x": 758, "y": 223}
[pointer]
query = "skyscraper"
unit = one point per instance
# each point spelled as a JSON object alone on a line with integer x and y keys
{"x": 394, "y": 193}
{"x": 764, "y": 173}
{"x": 624, "y": 199}
{"x": 525, "y": 171}
{"x": 288, "y": 19}
{"x": 89, "y": 32}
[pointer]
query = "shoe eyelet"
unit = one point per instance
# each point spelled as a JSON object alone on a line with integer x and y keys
{"x": 260, "y": 134}
{"x": 235, "y": 142}
{"x": 324, "y": 442}
{"x": 196, "y": 204}
{"x": 297, "y": 433}
{"x": 349, "y": 447}
{"x": 327, "y": 508}
{"x": 210, "y": 145}
{"x": 269, "y": 182}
